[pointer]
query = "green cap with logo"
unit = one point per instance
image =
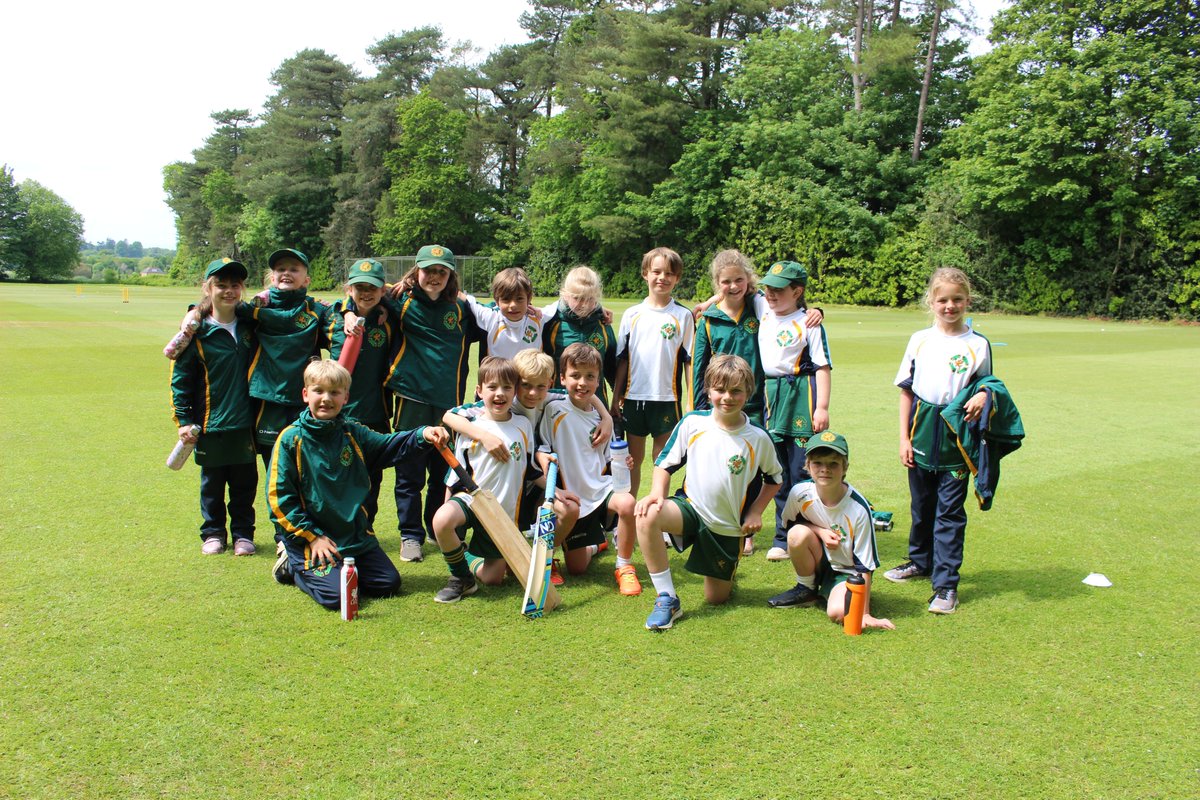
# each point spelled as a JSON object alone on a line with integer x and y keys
{"x": 366, "y": 270}
{"x": 783, "y": 274}
{"x": 828, "y": 440}
{"x": 286, "y": 253}
{"x": 226, "y": 267}
{"x": 435, "y": 255}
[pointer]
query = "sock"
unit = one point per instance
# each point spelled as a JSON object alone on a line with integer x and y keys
{"x": 663, "y": 583}
{"x": 474, "y": 562}
{"x": 456, "y": 560}
{"x": 592, "y": 549}
{"x": 809, "y": 581}
{"x": 623, "y": 561}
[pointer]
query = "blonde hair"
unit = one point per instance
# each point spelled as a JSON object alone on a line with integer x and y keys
{"x": 728, "y": 371}
{"x": 328, "y": 373}
{"x": 580, "y": 354}
{"x": 584, "y": 284}
{"x": 951, "y": 275}
{"x": 533, "y": 365}
{"x": 733, "y": 258}
{"x": 511, "y": 283}
{"x": 498, "y": 370}
{"x": 674, "y": 262}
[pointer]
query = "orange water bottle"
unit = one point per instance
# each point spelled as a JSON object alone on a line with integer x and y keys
{"x": 349, "y": 586}
{"x": 856, "y": 604}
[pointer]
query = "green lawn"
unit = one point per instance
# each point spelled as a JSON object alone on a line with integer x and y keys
{"x": 131, "y": 666}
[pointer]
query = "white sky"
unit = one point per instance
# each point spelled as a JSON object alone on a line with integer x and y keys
{"x": 99, "y": 97}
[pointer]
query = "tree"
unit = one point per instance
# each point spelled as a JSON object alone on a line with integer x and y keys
{"x": 49, "y": 244}
{"x": 12, "y": 217}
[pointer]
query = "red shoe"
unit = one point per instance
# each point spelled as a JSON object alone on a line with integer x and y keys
{"x": 627, "y": 581}
{"x": 556, "y": 577}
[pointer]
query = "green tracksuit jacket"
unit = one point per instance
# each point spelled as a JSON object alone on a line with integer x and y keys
{"x": 289, "y": 330}
{"x": 370, "y": 401}
{"x": 320, "y": 477}
{"x": 565, "y": 328}
{"x": 429, "y": 364}
{"x": 717, "y": 333}
{"x": 208, "y": 379}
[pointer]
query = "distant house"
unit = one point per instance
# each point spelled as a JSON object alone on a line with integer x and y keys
{"x": 153, "y": 271}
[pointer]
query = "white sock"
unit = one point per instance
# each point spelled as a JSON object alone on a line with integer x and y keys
{"x": 592, "y": 549}
{"x": 807, "y": 580}
{"x": 623, "y": 561}
{"x": 663, "y": 583}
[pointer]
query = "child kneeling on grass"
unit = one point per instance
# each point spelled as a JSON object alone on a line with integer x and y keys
{"x": 319, "y": 478}
{"x": 728, "y": 455}
{"x": 834, "y": 534}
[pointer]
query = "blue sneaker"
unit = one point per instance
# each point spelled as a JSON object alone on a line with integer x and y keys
{"x": 666, "y": 611}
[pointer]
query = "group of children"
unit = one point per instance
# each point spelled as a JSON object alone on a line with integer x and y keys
{"x": 253, "y": 381}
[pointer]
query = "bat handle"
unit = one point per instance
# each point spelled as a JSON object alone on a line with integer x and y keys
{"x": 551, "y": 479}
{"x": 463, "y": 477}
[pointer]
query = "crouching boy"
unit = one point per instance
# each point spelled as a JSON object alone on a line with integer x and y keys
{"x": 319, "y": 478}
{"x": 713, "y": 513}
{"x": 832, "y": 535}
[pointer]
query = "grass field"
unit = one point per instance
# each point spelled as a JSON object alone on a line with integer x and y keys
{"x": 131, "y": 666}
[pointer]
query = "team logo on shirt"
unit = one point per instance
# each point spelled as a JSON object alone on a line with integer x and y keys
{"x": 958, "y": 474}
{"x": 514, "y": 449}
{"x": 322, "y": 570}
{"x": 751, "y": 325}
{"x": 736, "y": 464}
{"x": 450, "y": 320}
{"x": 530, "y": 334}
{"x": 785, "y": 338}
{"x": 669, "y": 330}
{"x": 376, "y": 338}
{"x": 245, "y": 338}
{"x": 596, "y": 340}
{"x": 346, "y": 456}
{"x": 959, "y": 364}
{"x": 303, "y": 319}
{"x": 840, "y": 531}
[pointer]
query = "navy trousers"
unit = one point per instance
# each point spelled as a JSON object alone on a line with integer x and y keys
{"x": 241, "y": 480}
{"x": 377, "y": 575}
{"x": 792, "y": 455}
{"x": 939, "y": 524}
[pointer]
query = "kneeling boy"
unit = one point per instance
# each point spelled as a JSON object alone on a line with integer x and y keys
{"x": 712, "y": 514}
{"x": 319, "y": 478}
{"x": 834, "y": 534}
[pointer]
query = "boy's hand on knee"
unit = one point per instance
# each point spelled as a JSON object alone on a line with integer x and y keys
{"x": 652, "y": 503}
{"x": 323, "y": 551}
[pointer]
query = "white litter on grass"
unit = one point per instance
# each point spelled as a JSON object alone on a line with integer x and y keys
{"x": 1097, "y": 579}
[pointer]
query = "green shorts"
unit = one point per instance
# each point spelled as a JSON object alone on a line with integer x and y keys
{"x": 828, "y": 577}
{"x": 272, "y": 419}
{"x": 790, "y": 404}
{"x": 650, "y": 417}
{"x": 225, "y": 448}
{"x": 713, "y": 555}
{"x": 589, "y": 529}
{"x": 481, "y": 544}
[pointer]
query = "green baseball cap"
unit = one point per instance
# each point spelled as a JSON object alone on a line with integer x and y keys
{"x": 366, "y": 270}
{"x": 228, "y": 267}
{"x": 284, "y": 253}
{"x": 435, "y": 254}
{"x": 783, "y": 274}
{"x": 828, "y": 440}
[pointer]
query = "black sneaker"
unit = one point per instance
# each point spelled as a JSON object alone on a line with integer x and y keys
{"x": 795, "y": 597}
{"x": 456, "y": 589}
{"x": 281, "y": 571}
{"x": 906, "y": 571}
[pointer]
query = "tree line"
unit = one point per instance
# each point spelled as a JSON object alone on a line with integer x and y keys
{"x": 1061, "y": 169}
{"x": 40, "y": 233}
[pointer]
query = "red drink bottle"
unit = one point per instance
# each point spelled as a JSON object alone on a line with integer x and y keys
{"x": 349, "y": 581}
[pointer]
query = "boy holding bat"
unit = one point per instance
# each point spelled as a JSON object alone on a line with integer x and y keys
{"x": 503, "y": 477}
{"x": 720, "y": 503}
{"x": 318, "y": 479}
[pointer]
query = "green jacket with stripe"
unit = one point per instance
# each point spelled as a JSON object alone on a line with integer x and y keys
{"x": 320, "y": 476}
{"x": 429, "y": 356}
{"x": 717, "y": 333}
{"x": 370, "y": 401}
{"x": 208, "y": 379}
{"x": 564, "y": 328}
{"x": 290, "y": 330}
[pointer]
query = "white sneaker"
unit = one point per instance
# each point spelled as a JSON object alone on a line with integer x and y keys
{"x": 777, "y": 554}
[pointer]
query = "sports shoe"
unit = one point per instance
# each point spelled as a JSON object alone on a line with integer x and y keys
{"x": 944, "y": 601}
{"x": 748, "y": 546}
{"x": 281, "y": 571}
{"x": 243, "y": 547}
{"x": 410, "y": 550}
{"x": 213, "y": 546}
{"x": 556, "y": 577}
{"x": 906, "y": 571}
{"x": 777, "y": 554}
{"x": 795, "y": 597}
{"x": 456, "y": 589}
{"x": 627, "y": 580}
{"x": 600, "y": 548}
{"x": 666, "y": 611}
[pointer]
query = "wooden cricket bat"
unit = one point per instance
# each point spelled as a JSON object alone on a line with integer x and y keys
{"x": 537, "y": 582}
{"x": 500, "y": 527}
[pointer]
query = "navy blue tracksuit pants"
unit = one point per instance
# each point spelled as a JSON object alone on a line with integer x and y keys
{"x": 939, "y": 523}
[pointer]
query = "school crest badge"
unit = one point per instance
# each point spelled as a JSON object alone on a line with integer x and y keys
{"x": 596, "y": 340}
{"x": 303, "y": 319}
{"x": 346, "y": 456}
{"x": 376, "y": 338}
{"x": 530, "y": 334}
{"x": 785, "y": 338}
{"x": 514, "y": 450}
{"x": 736, "y": 464}
{"x": 450, "y": 320}
{"x": 827, "y": 436}
{"x": 751, "y": 325}
{"x": 959, "y": 364}
{"x": 669, "y": 330}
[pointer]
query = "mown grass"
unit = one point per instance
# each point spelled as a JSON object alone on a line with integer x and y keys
{"x": 133, "y": 667}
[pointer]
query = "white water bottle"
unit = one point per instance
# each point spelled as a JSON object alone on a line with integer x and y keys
{"x": 620, "y": 468}
{"x": 181, "y": 451}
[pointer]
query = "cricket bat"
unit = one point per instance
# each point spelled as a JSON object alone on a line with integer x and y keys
{"x": 537, "y": 582}
{"x": 500, "y": 527}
